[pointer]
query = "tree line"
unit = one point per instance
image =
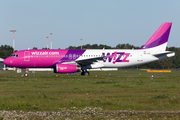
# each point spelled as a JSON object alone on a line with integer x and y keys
{"x": 101, "y": 46}
{"x": 169, "y": 63}
{"x": 5, "y": 51}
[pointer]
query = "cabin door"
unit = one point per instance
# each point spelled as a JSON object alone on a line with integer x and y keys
{"x": 140, "y": 56}
{"x": 26, "y": 56}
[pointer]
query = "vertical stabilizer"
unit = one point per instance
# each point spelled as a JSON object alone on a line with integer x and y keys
{"x": 159, "y": 39}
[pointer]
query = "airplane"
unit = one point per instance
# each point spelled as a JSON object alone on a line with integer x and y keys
{"x": 71, "y": 60}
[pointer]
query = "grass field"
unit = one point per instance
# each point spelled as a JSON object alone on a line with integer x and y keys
{"x": 104, "y": 93}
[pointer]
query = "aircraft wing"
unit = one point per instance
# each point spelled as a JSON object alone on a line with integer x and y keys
{"x": 90, "y": 60}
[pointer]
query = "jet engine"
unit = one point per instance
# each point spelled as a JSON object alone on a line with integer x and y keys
{"x": 66, "y": 68}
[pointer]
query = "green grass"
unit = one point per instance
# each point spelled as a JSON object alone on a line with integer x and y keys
{"x": 79, "y": 97}
{"x": 110, "y": 90}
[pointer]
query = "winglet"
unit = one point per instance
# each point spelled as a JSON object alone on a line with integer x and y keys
{"x": 160, "y": 38}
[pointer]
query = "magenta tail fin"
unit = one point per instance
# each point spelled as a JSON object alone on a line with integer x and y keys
{"x": 160, "y": 38}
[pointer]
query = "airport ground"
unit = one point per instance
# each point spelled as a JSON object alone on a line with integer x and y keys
{"x": 123, "y": 94}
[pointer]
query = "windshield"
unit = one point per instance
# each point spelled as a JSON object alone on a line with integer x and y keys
{"x": 14, "y": 55}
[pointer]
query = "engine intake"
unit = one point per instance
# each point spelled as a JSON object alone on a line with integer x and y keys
{"x": 66, "y": 68}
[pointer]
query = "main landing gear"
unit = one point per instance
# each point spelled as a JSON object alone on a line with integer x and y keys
{"x": 86, "y": 73}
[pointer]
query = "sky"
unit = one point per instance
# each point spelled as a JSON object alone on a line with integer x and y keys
{"x": 108, "y": 22}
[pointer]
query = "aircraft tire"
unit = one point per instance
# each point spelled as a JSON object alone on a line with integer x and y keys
{"x": 82, "y": 73}
{"x": 26, "y": 74}
{"x": 87, "y": 73}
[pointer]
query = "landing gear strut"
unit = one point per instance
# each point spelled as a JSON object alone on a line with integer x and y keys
{"x": 86, "y": 73}
{"x": 27, "y": 73}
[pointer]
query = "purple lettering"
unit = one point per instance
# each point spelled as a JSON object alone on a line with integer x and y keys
{"x": 120, "y": 55}
{"x": 108, "y": 57}
{"x": 114, "y": 58}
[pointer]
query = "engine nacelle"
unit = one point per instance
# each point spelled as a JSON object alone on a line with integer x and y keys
{"x": 66, "y": 68}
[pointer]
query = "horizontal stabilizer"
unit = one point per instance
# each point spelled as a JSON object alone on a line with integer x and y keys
{"x": 167, "y": 53}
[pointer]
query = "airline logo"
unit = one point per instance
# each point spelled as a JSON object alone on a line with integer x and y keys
{"x": 62, "y": 68}
{"x": 116, "y": 57}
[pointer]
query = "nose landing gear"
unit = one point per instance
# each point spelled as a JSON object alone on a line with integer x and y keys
{"x": 27, "y": 72}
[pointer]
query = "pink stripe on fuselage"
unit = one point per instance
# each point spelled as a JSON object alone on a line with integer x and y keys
{"x": 162, "y": 29}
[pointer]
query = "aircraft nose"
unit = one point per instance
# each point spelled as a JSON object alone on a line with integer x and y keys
{"x": 7, "y": 61}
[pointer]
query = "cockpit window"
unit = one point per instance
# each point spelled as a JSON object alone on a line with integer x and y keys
{"x": 14, "y": 55}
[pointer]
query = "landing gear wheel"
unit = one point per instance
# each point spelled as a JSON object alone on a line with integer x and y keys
{"x": 26, "y": 74}
{"x": 87, "y": 73}
{"x": 82, "y": 73}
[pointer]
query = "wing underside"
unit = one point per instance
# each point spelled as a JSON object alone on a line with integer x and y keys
{"x": 89, "y": 61}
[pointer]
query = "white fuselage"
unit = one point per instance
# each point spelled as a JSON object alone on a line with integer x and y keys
{"x": 123, "y": 58}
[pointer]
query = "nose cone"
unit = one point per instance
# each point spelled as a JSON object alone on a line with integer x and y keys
{"x": 7, "y": 62}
